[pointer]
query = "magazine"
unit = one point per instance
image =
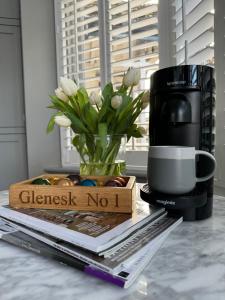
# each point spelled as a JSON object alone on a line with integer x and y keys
{"x": 114, "y": 261}
{"x": 124, "y": 278}
{"x": 95, "y": 231}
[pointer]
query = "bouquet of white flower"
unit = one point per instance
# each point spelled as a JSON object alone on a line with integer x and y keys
{"x": 95, "y": 117}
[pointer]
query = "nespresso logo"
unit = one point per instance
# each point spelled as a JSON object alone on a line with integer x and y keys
{"x": 68, "y": 199}
{"x": 171, "y": 83}
{"x": 165, "y": 202}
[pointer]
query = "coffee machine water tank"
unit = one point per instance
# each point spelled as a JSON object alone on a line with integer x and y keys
{"x": 182, "y": 106}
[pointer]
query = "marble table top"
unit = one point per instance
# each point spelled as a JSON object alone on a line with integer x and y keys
{"x": 189, "y": 266}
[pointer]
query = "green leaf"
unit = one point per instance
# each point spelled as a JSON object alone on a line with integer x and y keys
{"x": 79, "y": 143}
{"x": 126, "y": 101}
{"x": 107, "y": 91}
{"x": 133, "y": 132}
{"x": 51, "y": 124}
{"x": 123, "y": 125}
{"x": 106, "y": 108}
{"x": 83, "y": 91}
{"x": 54, "y": 98}
{"x": 76, "y": 125}
{"x": 82, "y": 98}
{"x": 136, "y": 134}
{"x": 138, "y": 97}
{"x": 98, "y": 150}
{"x": 75, "y": 105}
{"x": 52, "y": 107}
{"x": 70, "y": 113}
{"x": 123, "y": 89}
{"x": 111, "y": 121}
{"x": 90, "y": 117}
{"x": 76, "y": 141}
{"x": 102, "y": 111}
{"x": 102, "y": 132}
{"x": 90, "y": 142}
{"x": 125, "y": 111}
{"x": 102, "y": 129}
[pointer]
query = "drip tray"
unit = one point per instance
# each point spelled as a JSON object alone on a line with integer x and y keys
{"x": 194, "y": 199}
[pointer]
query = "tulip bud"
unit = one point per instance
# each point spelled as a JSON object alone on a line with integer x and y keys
{"x": 61, "y": 95}
{"x": 145, "y": 100}
{"x": 132, "y": 77}
{"x": 142, "y": 130}
{"x": 68, "y": 86}
{"x": 95, "y": 99}
{"x": 62, "y": 121}
{"x": 116, "y": 101}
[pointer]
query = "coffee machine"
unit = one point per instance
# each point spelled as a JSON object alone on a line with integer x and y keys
{"x": 182, "y": 113}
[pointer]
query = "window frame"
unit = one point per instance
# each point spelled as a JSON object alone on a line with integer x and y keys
{"x": 136, "y": 160}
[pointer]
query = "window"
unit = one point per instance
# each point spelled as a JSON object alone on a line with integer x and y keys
{"x": 133, "y": 34}
{"x": 194, "y": 31}
{"x": 80, "y": 57}
{"x": 98, "y": 40}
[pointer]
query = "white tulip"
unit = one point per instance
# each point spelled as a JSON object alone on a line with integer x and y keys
{"x": 142, "y": 130}
{"x": 145, "y": 100}
{"x": 95, "y": 99}
{"x": 61, "y": 95}
{"x": 116, "y": 101}
{"x": 62, "y": 121}
{"x": 132, "y": 77}
{"x": 68, "y": 86}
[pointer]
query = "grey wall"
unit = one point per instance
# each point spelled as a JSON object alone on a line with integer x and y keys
{"x": 13, "y": 149}
{"x": 39, "y": 61}
{"x": 9, "y": 9}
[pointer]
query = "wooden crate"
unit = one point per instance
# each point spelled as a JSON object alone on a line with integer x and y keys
{"x": 99, "y": 198}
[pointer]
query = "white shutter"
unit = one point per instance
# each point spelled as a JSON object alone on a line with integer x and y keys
{"x": 78, "y": 54}
{"x": 134, "y": 42}
{"x": 80, "y": 42}
{"x": 118, "y": 34}
{"x": 194, "y": 31}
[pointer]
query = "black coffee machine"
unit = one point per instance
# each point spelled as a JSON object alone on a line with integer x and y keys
{"x": 182, "y": 104}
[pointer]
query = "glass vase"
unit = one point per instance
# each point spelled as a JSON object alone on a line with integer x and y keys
{"x": 101, "y": 155}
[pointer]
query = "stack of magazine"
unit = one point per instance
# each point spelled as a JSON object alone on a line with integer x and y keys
{"x": 114, "y": 247}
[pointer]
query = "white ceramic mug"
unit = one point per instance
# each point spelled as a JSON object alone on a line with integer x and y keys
{"x": 172, "y": 169}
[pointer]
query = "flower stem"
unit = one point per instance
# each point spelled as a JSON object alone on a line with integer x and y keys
{"x": 131, "y": 89}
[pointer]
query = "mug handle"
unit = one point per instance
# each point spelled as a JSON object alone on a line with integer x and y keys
{"x": 200, "y": 152}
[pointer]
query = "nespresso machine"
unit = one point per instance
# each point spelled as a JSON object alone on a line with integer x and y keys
{"x": 182, "y": 105}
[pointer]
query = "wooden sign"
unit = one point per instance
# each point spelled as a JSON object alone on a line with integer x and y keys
{"x": 98, "y": 198}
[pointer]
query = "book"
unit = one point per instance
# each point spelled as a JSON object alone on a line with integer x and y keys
{"x": 123, "y": 253}
{"x": 93, "y": 231}
{"x": 124, "y": 278}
